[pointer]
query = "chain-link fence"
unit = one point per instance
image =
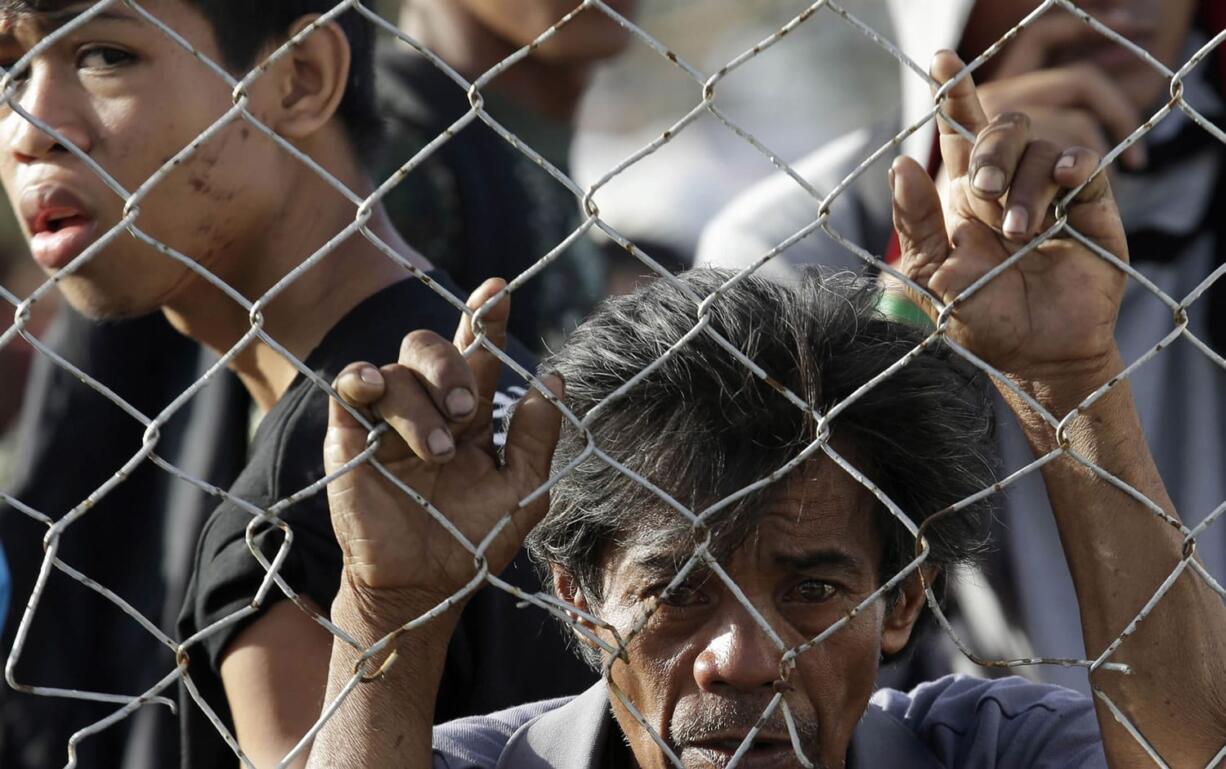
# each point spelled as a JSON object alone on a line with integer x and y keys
{"x": 705, "y": 105}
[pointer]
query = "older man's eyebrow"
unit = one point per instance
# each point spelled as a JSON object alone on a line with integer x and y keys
{"x": 826, "y": 558}
{"x": 670, "y": 561}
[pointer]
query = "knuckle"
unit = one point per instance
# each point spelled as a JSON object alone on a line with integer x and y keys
{"x": 341, "y": 446}
{"x": 1043, "y": 150}
{"x": 929, "y": 229}
{"x": 1013, "y": 119}
{"x": 418, "y": 341}
{"x": 400, "y": 382}
{"x": 395, "y": 374}
{"x": 440, "y": 367}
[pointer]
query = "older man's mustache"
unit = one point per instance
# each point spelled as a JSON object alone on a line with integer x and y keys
{"x": 698, "y": 720}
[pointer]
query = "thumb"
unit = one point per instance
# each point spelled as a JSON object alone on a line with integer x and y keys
{"x": 962, "y": 106}
{"x": 532, "y": 437}
{"x": 485, "y": 365}
{"x": 360, "y": 385}
{"x": 919, "y": 221}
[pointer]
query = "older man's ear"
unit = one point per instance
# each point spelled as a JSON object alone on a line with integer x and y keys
{"x": 567, "y": 588}
{"x": 902, "y": 614}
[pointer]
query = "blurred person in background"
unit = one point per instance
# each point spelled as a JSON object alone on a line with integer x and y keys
{"x": 477, "y": 185}
{"x": 1076, "y": 85}
{"x": 479, "y": 206}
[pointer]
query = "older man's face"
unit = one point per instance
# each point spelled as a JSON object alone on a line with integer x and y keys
{"x": 703, "y": 669}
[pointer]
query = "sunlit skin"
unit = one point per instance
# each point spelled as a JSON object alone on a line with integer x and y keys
{"x": 702, "y": 671}
{"x": 1158, "y": 26}
{"x": 130, "y": 98}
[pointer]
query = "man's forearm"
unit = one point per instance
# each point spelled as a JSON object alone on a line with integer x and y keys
{"x": 384, "y": 723}
{"x": 1119, "y": 553}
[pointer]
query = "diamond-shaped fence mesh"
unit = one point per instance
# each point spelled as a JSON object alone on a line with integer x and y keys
{"x": 706, "y": 87}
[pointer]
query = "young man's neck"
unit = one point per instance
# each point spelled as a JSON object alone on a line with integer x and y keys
{"x": 550, "y": 89}
{"x": 303, "y": 311}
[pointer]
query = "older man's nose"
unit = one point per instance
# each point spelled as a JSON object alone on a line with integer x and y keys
{"x": 44, "y": 97}
{"x": 738, "y": 655}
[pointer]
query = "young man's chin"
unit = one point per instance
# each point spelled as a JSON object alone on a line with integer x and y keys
{"x": 101, "y": 305}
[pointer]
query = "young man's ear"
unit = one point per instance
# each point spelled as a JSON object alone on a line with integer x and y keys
{"x": 567, "y": 588}
{"x": 310, "y": 80}
{"x": 900, "y": 618}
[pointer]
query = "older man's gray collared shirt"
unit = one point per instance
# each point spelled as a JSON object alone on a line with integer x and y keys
{"x": 955, "y": 721}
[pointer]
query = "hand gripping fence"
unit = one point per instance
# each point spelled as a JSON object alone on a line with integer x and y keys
{"x": 706, "y": 87}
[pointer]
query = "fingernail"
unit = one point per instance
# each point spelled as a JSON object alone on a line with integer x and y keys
{"x": 1066, "y": 161}
{"x": 440, "y": 442}
{"x": 371, "y": 376}
{"x": 460, "y": 402}
{"x": 893, "y": 186}
{"x": 990, "y": 180}
{"x": 1017, "y": 221}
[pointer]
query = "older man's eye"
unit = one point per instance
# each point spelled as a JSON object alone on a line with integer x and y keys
{"x": 683, "y": 596}
{"x": 811, "y": 591}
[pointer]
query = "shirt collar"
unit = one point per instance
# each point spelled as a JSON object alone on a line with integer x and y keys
{"x": 883, "y": 740}
{"x": 575, "y": 736}
{"x": 571, "y": 736}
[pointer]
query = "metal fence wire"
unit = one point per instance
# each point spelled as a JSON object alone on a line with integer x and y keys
{"x": 706, "y": 102}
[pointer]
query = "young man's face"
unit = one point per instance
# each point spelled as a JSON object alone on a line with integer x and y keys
{"x": 1159, "y": 26}
{"x": 702, "y": 671}
{"x": 130, "y": 98}
{"x": 589, "y": 37}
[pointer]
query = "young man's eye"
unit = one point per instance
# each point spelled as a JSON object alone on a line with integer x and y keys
{"x": 103, "y": 57}
{"x": 811, "y": 591}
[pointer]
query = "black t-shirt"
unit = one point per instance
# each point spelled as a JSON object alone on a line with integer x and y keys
{"x": 499, "y": 656}
{"x": 137, "y": 539}
{"x": 477, "y": 207}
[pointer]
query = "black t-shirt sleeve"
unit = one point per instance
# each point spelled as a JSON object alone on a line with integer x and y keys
{"x": 228, "y": 577}
{"x": 501, "y": 655}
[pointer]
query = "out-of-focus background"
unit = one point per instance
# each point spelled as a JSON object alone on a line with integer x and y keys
{"x": 825, "y": 77}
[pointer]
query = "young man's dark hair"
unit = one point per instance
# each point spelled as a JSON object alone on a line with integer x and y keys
{"x": 684, "y": 425}
{"x": 244, "y": 28}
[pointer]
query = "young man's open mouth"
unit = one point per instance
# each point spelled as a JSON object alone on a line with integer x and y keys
{"x": 60, "y": 224}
